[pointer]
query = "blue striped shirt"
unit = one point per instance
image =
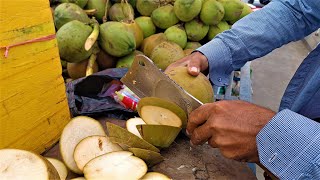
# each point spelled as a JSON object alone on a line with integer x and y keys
{"x": 289, "y": 145}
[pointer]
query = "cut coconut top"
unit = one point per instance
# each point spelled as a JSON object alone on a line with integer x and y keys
{"x": 154, "y": 110}
{"x": 118, "y": 165}
{"x": 77, "y": 129}
{"x": 91, "y": 147}
{"x": 150, "y": 157}
{"x": 60, "y": 167}
{"x": 155, "y": 176}
{"x": 21, "y": 164}
{"x": 131, "y": 125}
{"x": 121, "y": 136}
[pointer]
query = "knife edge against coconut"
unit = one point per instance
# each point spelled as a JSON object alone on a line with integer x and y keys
{"x": 145, "y": 79}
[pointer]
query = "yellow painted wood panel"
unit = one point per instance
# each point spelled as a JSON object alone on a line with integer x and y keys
{"x": 33, "y": 103}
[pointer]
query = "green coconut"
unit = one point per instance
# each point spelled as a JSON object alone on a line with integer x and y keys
{"x": 146, "y": 7}
{"x": 159, "y": 111}
{"x": 216, "y": 29}
{"x": 78, "y": 70}
{"x": 146, "y": 25}
{"x": 134, "y": 28}
{"x": 150, "y": 157}
{"x": 192, "y": 45}
{"x": 121, "y": 136}
{"x": 198, "y": 86}
{"x": 245, "y": 11}
{"x": 121, "y": 12}
{"x": 186, "y": 10}
{"x": 100, "y": 6}
{"x": 71, "y": 39}
{"x": 177, "y": 34}
{"x": 131, "y": 2}
{"x": 151, "y": 42}
{"x": 158, "y": 135}
{"x": 67, "y": 12}
{"x": 105, "y": 60}
{"x": 126, "y": 61}
{"x": 80, "y": 3}
{"x": 232, "y": 9}
{"x": 164, "y": 17}
{"x": 166, "y": 53}
{"x": 116, "y": 39}
{"x": 212, "y": 12}
{"x": 196, "y": 30}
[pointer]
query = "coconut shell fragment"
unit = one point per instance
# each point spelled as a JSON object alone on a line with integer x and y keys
{"x": 150, "y": 157}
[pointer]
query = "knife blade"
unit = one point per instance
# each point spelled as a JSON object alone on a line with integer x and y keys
{"x": 145, "y": 79}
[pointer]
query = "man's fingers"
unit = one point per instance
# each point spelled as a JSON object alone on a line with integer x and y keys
{"x": 194, "y": 66}
{"x": 200, "y": 135}
{"x": 198, "y": 117}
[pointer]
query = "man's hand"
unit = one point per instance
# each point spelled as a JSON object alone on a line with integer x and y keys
{"x": 196, "y": 63}
{"x": 231, "y": 126}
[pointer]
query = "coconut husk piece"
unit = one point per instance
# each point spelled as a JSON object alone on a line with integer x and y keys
{"x": 150, "y": 157}
{"x": 120, "y": 135}
{"x": 159, "y": 135}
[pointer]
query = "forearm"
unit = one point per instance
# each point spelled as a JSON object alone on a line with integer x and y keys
{"x": 289, "y": 146}
{"x": 257, "y": 34}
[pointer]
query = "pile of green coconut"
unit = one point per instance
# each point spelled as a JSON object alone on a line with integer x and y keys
{"x": 94, "y": 35}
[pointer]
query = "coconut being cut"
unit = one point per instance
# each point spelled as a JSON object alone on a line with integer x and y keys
{"x": 21, "y": 164}
{"x": 154, "y": 110}
{"x": 92, "y": 147}
{"x": 118, "y": 165}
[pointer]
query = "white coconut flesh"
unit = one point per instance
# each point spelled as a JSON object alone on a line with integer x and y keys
{"x": 60, "y": 167}
{"x": 92, "y": 147}
{"x": 24, "y": 165}
{"x": 159, "y": 115}
{"x": 131, "y": 125}
{"x": 155, "y": 176}
{"x": 120, "y": 165}
{"x": 77, "y": 129}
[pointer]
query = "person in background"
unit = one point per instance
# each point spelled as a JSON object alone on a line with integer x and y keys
{"x": 287, "y": 142}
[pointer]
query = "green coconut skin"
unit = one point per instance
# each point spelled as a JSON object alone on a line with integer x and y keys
{"x": 212, "y": 12}
{"x": 245, "y": 11}
{"x": 164, "y": 17}
{"x": 100, "y": 6}
{"x": 121, "y": 12}
{"x": 177, "y": 34}
{"x": 232, "y": 8}
{"x": 146, "y": 25}
{"x": 146, "y": 7}
{"x": 192, "y": 45}
{"x": 186, "y": 10}
{"x": 71, "y": 39}
{"x": 116, "y": 39}
{"x": 150, "y": 157}
{"x": 67, "y": 12}
{"x": 166, "y": 53}
{"x": 126, "y": 61}
{"x": 216, "y": 29}
{"x": 196, "y": 30}
{"x": 80, "y": 3}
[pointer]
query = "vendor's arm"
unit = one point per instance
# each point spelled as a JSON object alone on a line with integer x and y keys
{"x": 289, "y": 146}
{"x": 255, "y": 35}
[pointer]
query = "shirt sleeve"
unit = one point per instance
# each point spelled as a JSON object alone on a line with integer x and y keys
{"x": 289, "y": 146}
{"x": 258, "y": 33}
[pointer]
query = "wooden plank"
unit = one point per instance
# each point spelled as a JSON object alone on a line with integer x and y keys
{"x": 33, "y": 103}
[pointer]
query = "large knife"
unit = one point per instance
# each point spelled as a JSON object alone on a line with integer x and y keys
{"x": 145, "y": 79}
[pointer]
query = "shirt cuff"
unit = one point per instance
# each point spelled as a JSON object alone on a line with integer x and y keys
{"x": 289, "y": 145}
{"x": 220, "y": 63}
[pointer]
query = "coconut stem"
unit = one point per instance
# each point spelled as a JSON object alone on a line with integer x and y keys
{"x": 90, "y": 12}
{"x": 105, "y": 17}
{"x": 130, "y": 15}
{"x": 91, "y": 62}
{"x": 93, "y": 36}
